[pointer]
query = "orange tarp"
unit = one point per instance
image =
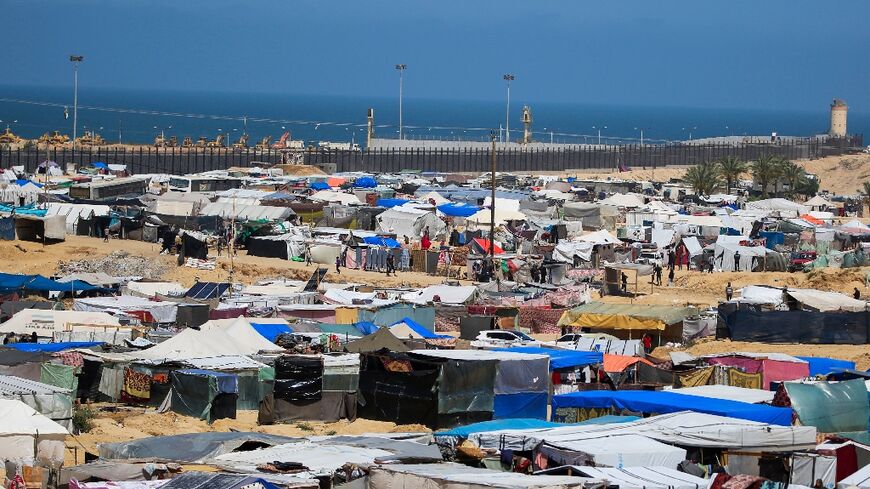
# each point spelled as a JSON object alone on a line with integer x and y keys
{"x": 812, "y": 220}
{"x": 335, "y": 181}
{"x": 618, "y": 363}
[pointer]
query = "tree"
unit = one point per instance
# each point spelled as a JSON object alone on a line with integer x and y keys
{"x": 703, "y": 178}
{"x": 791, "y": 174}
{"x": 808, "y": 186}
{"x": 731, "y": 167}
{"x": 765, "y": 170}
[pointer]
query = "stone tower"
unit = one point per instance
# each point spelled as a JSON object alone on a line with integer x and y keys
{"x": 839, "y": 110}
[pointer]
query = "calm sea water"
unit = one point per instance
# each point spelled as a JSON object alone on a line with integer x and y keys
{"x": 321, "y": 118}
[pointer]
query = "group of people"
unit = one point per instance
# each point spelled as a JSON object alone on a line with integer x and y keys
{"x": 22, "y": 338}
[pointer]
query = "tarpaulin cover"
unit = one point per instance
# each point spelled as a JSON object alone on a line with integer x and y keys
{"x": 624, "y": 316}
{"x": 389, "y": 315}
{"x": 520, "y": 405}
{"x": 366, "y": 328}
{"x": 53, "y": 347}
{"x": 399, "y": 328}
{"x": 365, "y": 182}
{"x": 831, "y": 407}
{"x": 662, "y": 402}
{"x": 458, "y": 210}
{"x": 391, "y": 202}
{"x": 320, "y": 186}
{"x": 825, "y": 366}
{"x": 190, "y": 447}
{"x": 271, "y": 331}
{"x": 63, "y": 376}
{"x": 848, "y": 328}
{"x": 298, "y": 378}
{"x": 12, "y": 283}
{"x": 195, "y": 393}
{"x": 497, "y": 425}
{"x": 381, "y": 241}
{"x": 560, "y": 359}
{"x": 618, "y": 363}
{"x": 379, "y": 340}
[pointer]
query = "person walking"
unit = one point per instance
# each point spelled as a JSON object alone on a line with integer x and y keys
{"x": 671, "y": 276}
{"x": 736, "y": 261}
{"x": 856, "y": 294}
{"x": 338, "y": 264}
{"x": 729, "y": 292}
{"x": 106, "y": 235}
{"x": 624, "y": 283}
{"x": 658, "y": 274}
{"x": 391, "y": 263}
{"x": 647, "y": 343}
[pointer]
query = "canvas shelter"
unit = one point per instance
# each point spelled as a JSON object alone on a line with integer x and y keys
{"x": 831, "y": 406}
{"x": 204, "y": 394}
{"x": 409, "y": 221}
{"x": 452, "y": 475}
{"x": 28, "y": 436}
{"x": 521, "y": 380}
{"x": 54, "y": 402}
{"x": 646, "y": 477}
{"x": 381, "y": 339}
{"x": 149, "y": 310}
{"x": 630, "y": 320}
{"x": 63, "y": 325}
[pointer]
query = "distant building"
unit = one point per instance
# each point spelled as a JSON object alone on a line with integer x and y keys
{"x": 839, "y": 110}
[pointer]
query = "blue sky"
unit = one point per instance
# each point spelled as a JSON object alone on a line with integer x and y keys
{"x": 776, "y": 54}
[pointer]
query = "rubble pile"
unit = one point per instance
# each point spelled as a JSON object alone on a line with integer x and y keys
{"x": 116, "y": 264}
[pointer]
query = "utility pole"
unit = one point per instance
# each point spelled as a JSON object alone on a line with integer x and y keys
{"x": 75, "y": 61}
{"x": 492, "y": 206}
{"x": 508, "y": 78}
{"x": 401, "y": 68}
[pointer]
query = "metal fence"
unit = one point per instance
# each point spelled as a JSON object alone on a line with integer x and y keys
{"x": 182, "y": 161}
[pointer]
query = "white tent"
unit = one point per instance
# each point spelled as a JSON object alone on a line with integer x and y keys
{"x": 247, "y": 212}
{"x": 448, "y": 294}
{"x": 642, "y": 477}
{"x": 684, "y": 428}
{"x": 629, "y": 201}
{"x": 728, "y": 247}
{"x": 860, "y": 479}
{"x": 599, "y": 238}
{"x": 338, "y": 197}
{"x": 502, "y": 215}
{"x": 161, "y": 311}
{"x": 27, "y": 436}
{"x": 728, "y": 393}
{"x": 565, "y": 251}
{"x": 212, "y": 341}
{"x": 616, "y": 451}
{"x": 52, "y": 401}
{"x": 72, "y": 213}
{"x": 407, "y": 220}
{"x": 785, "y": 207}
{"x": 150, "y": 289}
{"x": 48, "y": 323}
{"x": 817, "y": 202}
{"x": 435, "y": 196}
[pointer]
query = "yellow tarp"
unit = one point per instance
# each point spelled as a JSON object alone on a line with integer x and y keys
{"x": 346, "y": 315}
{"x": 612, "y": 321}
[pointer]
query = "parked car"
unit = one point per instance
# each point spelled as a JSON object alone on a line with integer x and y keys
{"x": 502, "y": 338}
{"x": 570, "y": 339}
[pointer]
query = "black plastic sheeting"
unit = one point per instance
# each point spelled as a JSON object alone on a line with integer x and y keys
{"x": 298, "y": 378}
{"x": 268, "y": 248}
{"x": 843, "y": 328}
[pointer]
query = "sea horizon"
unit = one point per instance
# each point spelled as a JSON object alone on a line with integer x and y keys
{"x": 342, "y": 118}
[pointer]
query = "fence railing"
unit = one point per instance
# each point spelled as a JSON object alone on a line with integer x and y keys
{"x": 598, "y": 157}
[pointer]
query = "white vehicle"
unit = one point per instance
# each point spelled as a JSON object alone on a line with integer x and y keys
{"x": 571, "y": 339}
{"x": 502, "y": 338}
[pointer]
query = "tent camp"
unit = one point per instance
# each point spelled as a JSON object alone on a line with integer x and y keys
{"x": 54, "y": 402}
{"x": 68, "y": 325}
{"x": 407, "y": 220}
{"x": 628, "y": 320}
{"x": 153, "y": 311}
{"x": 27, "y": 436}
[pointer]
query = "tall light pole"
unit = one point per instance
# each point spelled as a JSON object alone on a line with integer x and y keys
{"x": 401, "y": 68}
{"x": 641, "y": 135}
{"x": 507, "y": 123}
{"x": 492, "y": 206}
{"x": 599, "y": 132}
{"x": 75, "y": 61}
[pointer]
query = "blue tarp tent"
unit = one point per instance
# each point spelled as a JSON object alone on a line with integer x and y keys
{"x": 381, "y": 241}
{"x": 366, "y": 327}
{"x": 100, "y": 165}
{"x": 10, "y": 283}
{"x": 663, "y": 402}
{"x": 525, "y": 424}
{"x": 22, "y": 182}
{"x": 271, "y": 331}
{"x": 458, "y": 210}
{"x": 419, "y": 329}
{"x": 53, "y": 347}
{"x": 320, "y": 186}
{"x": 825, "y": 366}
{"x": 388, "y": 203}
{"x": 560, "y": 359}
{"x": 365, "y": 182}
